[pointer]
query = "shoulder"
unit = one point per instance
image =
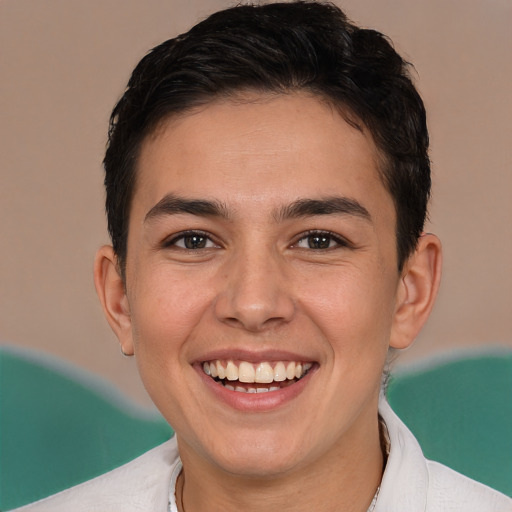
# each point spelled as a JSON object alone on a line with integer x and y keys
{"x": 140, "y": 485}
{"x": 449, "y": 490}
{"x": 414, "y": 484}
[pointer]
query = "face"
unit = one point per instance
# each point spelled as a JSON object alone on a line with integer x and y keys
{"x": 261, "y": 282}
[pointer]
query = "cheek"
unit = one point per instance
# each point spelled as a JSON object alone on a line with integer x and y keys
{"x": 353, "y": 308}
{"x": 166, "y": 308}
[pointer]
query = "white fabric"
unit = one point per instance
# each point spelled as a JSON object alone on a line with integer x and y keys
{"x": 410, "y": 483}
{"x": 172, "y": 488}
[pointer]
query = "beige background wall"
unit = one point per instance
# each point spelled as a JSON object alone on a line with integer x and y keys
{"x": 63, "y": 63}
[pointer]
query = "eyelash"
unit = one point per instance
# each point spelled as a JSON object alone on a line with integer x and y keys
{"x": 326, "y": 235}
{"x": 173, "y": 241}
{"x": 333, "y": 237}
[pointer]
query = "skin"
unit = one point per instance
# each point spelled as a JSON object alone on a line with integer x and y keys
{"x": 257, "y": 286}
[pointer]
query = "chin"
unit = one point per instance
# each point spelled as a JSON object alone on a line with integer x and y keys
{"x": 253, "y": 454}
{"x": 258, "y": 464}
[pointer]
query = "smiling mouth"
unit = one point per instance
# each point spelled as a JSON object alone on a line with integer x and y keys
{"x": 263, "y": 377}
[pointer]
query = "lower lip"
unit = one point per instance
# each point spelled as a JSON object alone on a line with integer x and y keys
{"x": 255, "y": 402}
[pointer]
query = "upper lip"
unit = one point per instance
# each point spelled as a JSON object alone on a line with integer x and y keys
{"x": 253, "y": 356}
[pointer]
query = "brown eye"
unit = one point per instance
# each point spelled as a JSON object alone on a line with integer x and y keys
{"x": 320, "y": 240}
{"x": 191, "y": 241}
{"x": 194, "y": 241}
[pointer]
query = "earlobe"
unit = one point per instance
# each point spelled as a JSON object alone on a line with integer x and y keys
{"x": 417, "y": 291}
{"x": 112, "y": 294}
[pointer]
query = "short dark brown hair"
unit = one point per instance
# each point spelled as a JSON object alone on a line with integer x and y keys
{"x": 278, "y": 48}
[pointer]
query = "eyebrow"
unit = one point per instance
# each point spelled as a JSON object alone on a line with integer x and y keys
{"x": 335, "y": 205}
{"x": 172, "y": 205}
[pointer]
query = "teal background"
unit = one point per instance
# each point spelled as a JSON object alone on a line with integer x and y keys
{"x": 461, "y": 413}
{"x": 60, "y": 426}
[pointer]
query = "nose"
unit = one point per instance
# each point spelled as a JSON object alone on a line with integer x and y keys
{"x": 255, "y": 293}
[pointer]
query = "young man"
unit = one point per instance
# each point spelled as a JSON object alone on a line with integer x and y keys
{"x": 267, "y": 182}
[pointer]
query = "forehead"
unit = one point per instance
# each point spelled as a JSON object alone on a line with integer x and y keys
{"x": 266, "y": 149}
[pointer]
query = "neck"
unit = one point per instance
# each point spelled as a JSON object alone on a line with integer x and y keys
{"x": 346, "y": 478}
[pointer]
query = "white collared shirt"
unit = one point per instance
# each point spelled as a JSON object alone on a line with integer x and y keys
{"x": 410, "y": 483}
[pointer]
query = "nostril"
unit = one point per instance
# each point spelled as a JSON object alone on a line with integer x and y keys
{"x": 253, "y": 324}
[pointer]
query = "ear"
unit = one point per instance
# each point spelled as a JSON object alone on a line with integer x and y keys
{"x": 417, "y": 291}
{"x": 112, "y": 294}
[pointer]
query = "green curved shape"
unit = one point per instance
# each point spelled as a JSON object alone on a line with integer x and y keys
{"x": 461, "y": 413}
{"x": 60, "y": 427}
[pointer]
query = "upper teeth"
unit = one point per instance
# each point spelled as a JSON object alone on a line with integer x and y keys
{"x": 263, "y": 373}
